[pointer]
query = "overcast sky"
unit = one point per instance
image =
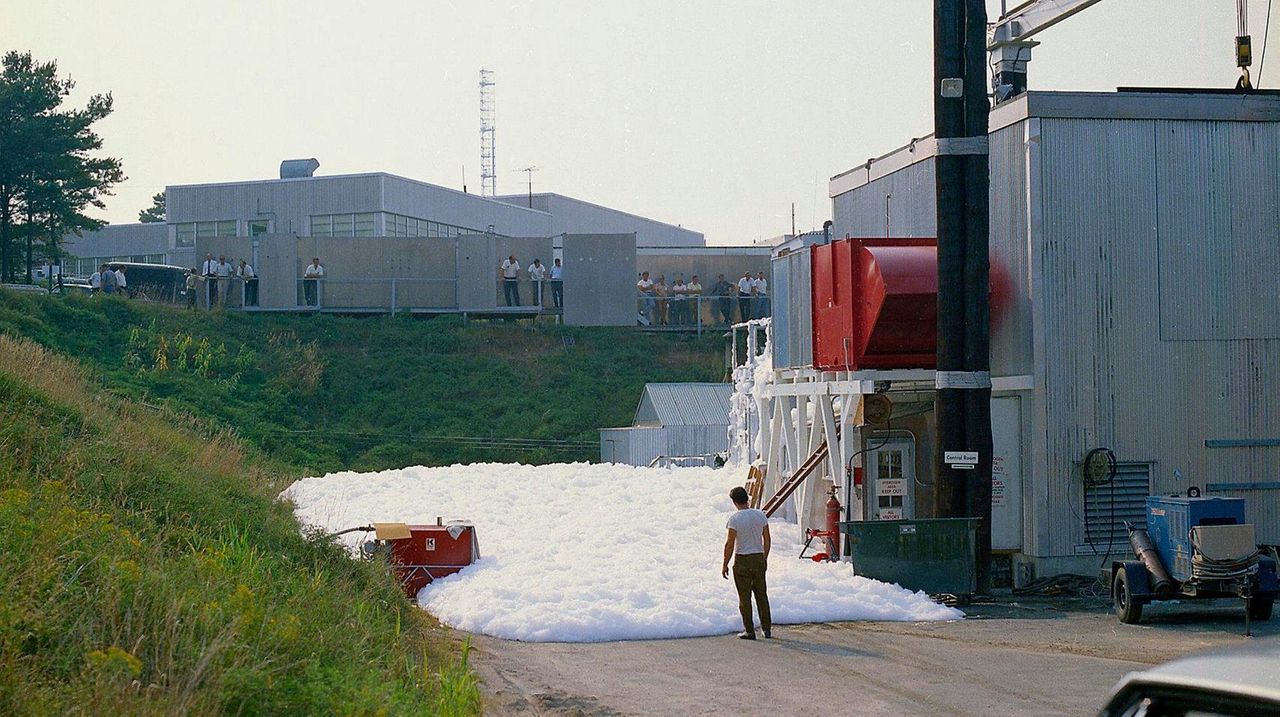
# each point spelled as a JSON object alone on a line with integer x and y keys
{"x": 714, "y": 115}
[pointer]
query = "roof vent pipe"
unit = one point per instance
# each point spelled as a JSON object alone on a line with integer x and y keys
{"x": 298, "y": 168}
{"x": 826, "y": 232}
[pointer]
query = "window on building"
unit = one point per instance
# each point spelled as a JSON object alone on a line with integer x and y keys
{"x": 343, "y": 225}
{"x": 364, "y": 224}
{"x": 258, "y": 227}
{"x": 186, "y": 233}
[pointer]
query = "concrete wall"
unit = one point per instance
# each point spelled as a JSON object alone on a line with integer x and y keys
{"x": 599, "y": 279}
{"x": 575, "y": 216}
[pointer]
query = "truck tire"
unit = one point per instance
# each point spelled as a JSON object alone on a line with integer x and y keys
{"x": 1260, "y": 608}
{"x": 1127, "y": 609}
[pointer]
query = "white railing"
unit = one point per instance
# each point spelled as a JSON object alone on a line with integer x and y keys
{"x": 697, "y": 312}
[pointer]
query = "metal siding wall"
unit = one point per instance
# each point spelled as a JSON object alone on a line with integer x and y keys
{"x": 1011, "y": 330}
{"x": 911, "y": 205}
{"x": 1109, "y": 378}
{"x": 574, "y": 216}
{"x": 1218, "y": 184}
{"x": 793, "y": 318}
{"x": 416, "y": 199}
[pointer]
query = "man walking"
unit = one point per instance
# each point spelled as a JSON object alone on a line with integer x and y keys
{"x": 557, "y": 285}
{"x": 510, "y": 273}
{"x": 748, "y": 544}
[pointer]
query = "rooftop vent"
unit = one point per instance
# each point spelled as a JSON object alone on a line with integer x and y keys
{"x": 298, "y": 168}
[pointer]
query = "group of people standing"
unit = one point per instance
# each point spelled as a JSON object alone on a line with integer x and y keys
{"x": 215, "y": 277}
{"x": 539, "y": 274}
{"x": 680, "y": 303}
{"x": 109, "y": 281}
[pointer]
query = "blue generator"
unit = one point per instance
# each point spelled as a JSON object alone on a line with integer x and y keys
{"x": 1193, "y": 548}
{"x": 1170, "y": 520}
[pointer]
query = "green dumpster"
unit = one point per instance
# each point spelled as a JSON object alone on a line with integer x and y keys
{"x": 936, "y": 555}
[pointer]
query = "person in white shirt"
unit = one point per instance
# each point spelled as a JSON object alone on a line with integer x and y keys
{"x": 644, "y": 289}
{"x": 510, "y": 273}
{"x": 746, "y": 285}
{"x": 245, "y": 272}
{"x": 693, "y": 292}
{"x": 121, "y": 284}
{"x": 748, "y": 544}
{"x": 95, "y": 282}
{"x": 224, "y": 270}
{"x": 761, "y": 300}
{"x": 557, "y": 285}
{"x": 311, "y": 281}
{"x": 679, "y": 292}
{"x": 537, "y": 273}
{"x": 209, "y": 270}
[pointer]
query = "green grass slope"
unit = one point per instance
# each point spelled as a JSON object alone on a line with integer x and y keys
{"x": 327, "y": 392}
{"x": 148, "y": 570}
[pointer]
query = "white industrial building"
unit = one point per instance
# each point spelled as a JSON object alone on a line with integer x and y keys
{"x": 1135, "y": 258}
{"x": 373, "y": 204}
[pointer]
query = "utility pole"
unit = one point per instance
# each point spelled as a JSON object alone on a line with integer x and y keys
{"x": 963, "y": 403}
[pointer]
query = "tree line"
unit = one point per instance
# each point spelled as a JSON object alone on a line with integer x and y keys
{"x": 50, "y": 171}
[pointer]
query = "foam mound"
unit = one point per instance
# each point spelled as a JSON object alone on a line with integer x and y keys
{"x": 590, "y": 553}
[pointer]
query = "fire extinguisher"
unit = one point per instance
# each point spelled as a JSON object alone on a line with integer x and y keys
{"x": 833, "y": 525}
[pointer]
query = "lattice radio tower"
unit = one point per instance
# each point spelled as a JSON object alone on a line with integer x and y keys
{"x": 488, "y": 161}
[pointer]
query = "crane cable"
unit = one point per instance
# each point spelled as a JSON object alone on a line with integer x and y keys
{"x": 1266, "y": 31}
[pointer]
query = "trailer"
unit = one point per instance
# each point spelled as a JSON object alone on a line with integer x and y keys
{"x": 1194, "y": 548}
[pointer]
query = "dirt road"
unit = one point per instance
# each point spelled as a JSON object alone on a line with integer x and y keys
{"x": 1030, "y": 657}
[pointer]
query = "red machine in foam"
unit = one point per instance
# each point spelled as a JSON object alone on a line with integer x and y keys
{"x": 875, "y": 304}
{"x": 420, "y": 554}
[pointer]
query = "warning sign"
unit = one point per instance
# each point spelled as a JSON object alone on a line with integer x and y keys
{"x": 891, "y": 486}
{"x": 998, "y": 497}
{"x": 431, "y": 544}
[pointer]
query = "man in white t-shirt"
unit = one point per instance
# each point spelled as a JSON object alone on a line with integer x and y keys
{"x": 748, "y": 544}
{"x": 95, "y": 282}
{"x": 761, "y": 299}
{"x": 746, "y": 287}
{"x": 510, "y": 273}
{"x": 557, "y": 285}
{"x": 121, "y": 284}
{"x": 644, "y": 290}
{"x": 223, "y": 270}
{"x": 537, "y": 274}
{"x": 311, "y": 281}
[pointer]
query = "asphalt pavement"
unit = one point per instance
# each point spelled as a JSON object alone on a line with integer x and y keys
{"x": 1034, "y": 656}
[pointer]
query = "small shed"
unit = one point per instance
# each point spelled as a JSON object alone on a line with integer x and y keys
{"x": 672, "y": 420}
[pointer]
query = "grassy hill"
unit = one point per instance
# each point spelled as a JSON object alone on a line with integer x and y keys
{"x": 149, "y": 570}
{"x": 325, "y": 392}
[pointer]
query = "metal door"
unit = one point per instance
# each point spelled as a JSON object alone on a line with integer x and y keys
{"x": 891, "y": 475}
{"x": 1006, "y": 473}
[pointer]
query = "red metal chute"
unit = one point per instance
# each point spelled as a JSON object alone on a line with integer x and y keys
{"x": 875, "y": 303}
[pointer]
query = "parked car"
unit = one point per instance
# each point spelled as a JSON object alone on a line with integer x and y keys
{"x": 155, "y": 282}
{"x": 1237, "y": 681}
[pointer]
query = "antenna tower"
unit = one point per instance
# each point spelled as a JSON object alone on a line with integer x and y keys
{"x": 488, "y": 163}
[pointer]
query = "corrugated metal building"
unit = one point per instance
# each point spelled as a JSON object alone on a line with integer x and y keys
{"x": 673, "y": 419}
{"x": 1135, "y": 246}
{"x": 371, "y": 204}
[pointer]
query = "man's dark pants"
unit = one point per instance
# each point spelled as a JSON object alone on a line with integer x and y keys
{"x": 511, "y": 291}
{"x": 744, "y": 307}
{"x": 557, "y": 294}
{"x": 748, "y": 577}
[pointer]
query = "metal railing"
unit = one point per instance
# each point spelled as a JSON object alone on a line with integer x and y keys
{"x": 231, "y": 292}
{"x": 390, "y": 295}
{"x": 545, "y": 295}
{"x": 697, "y": 312}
